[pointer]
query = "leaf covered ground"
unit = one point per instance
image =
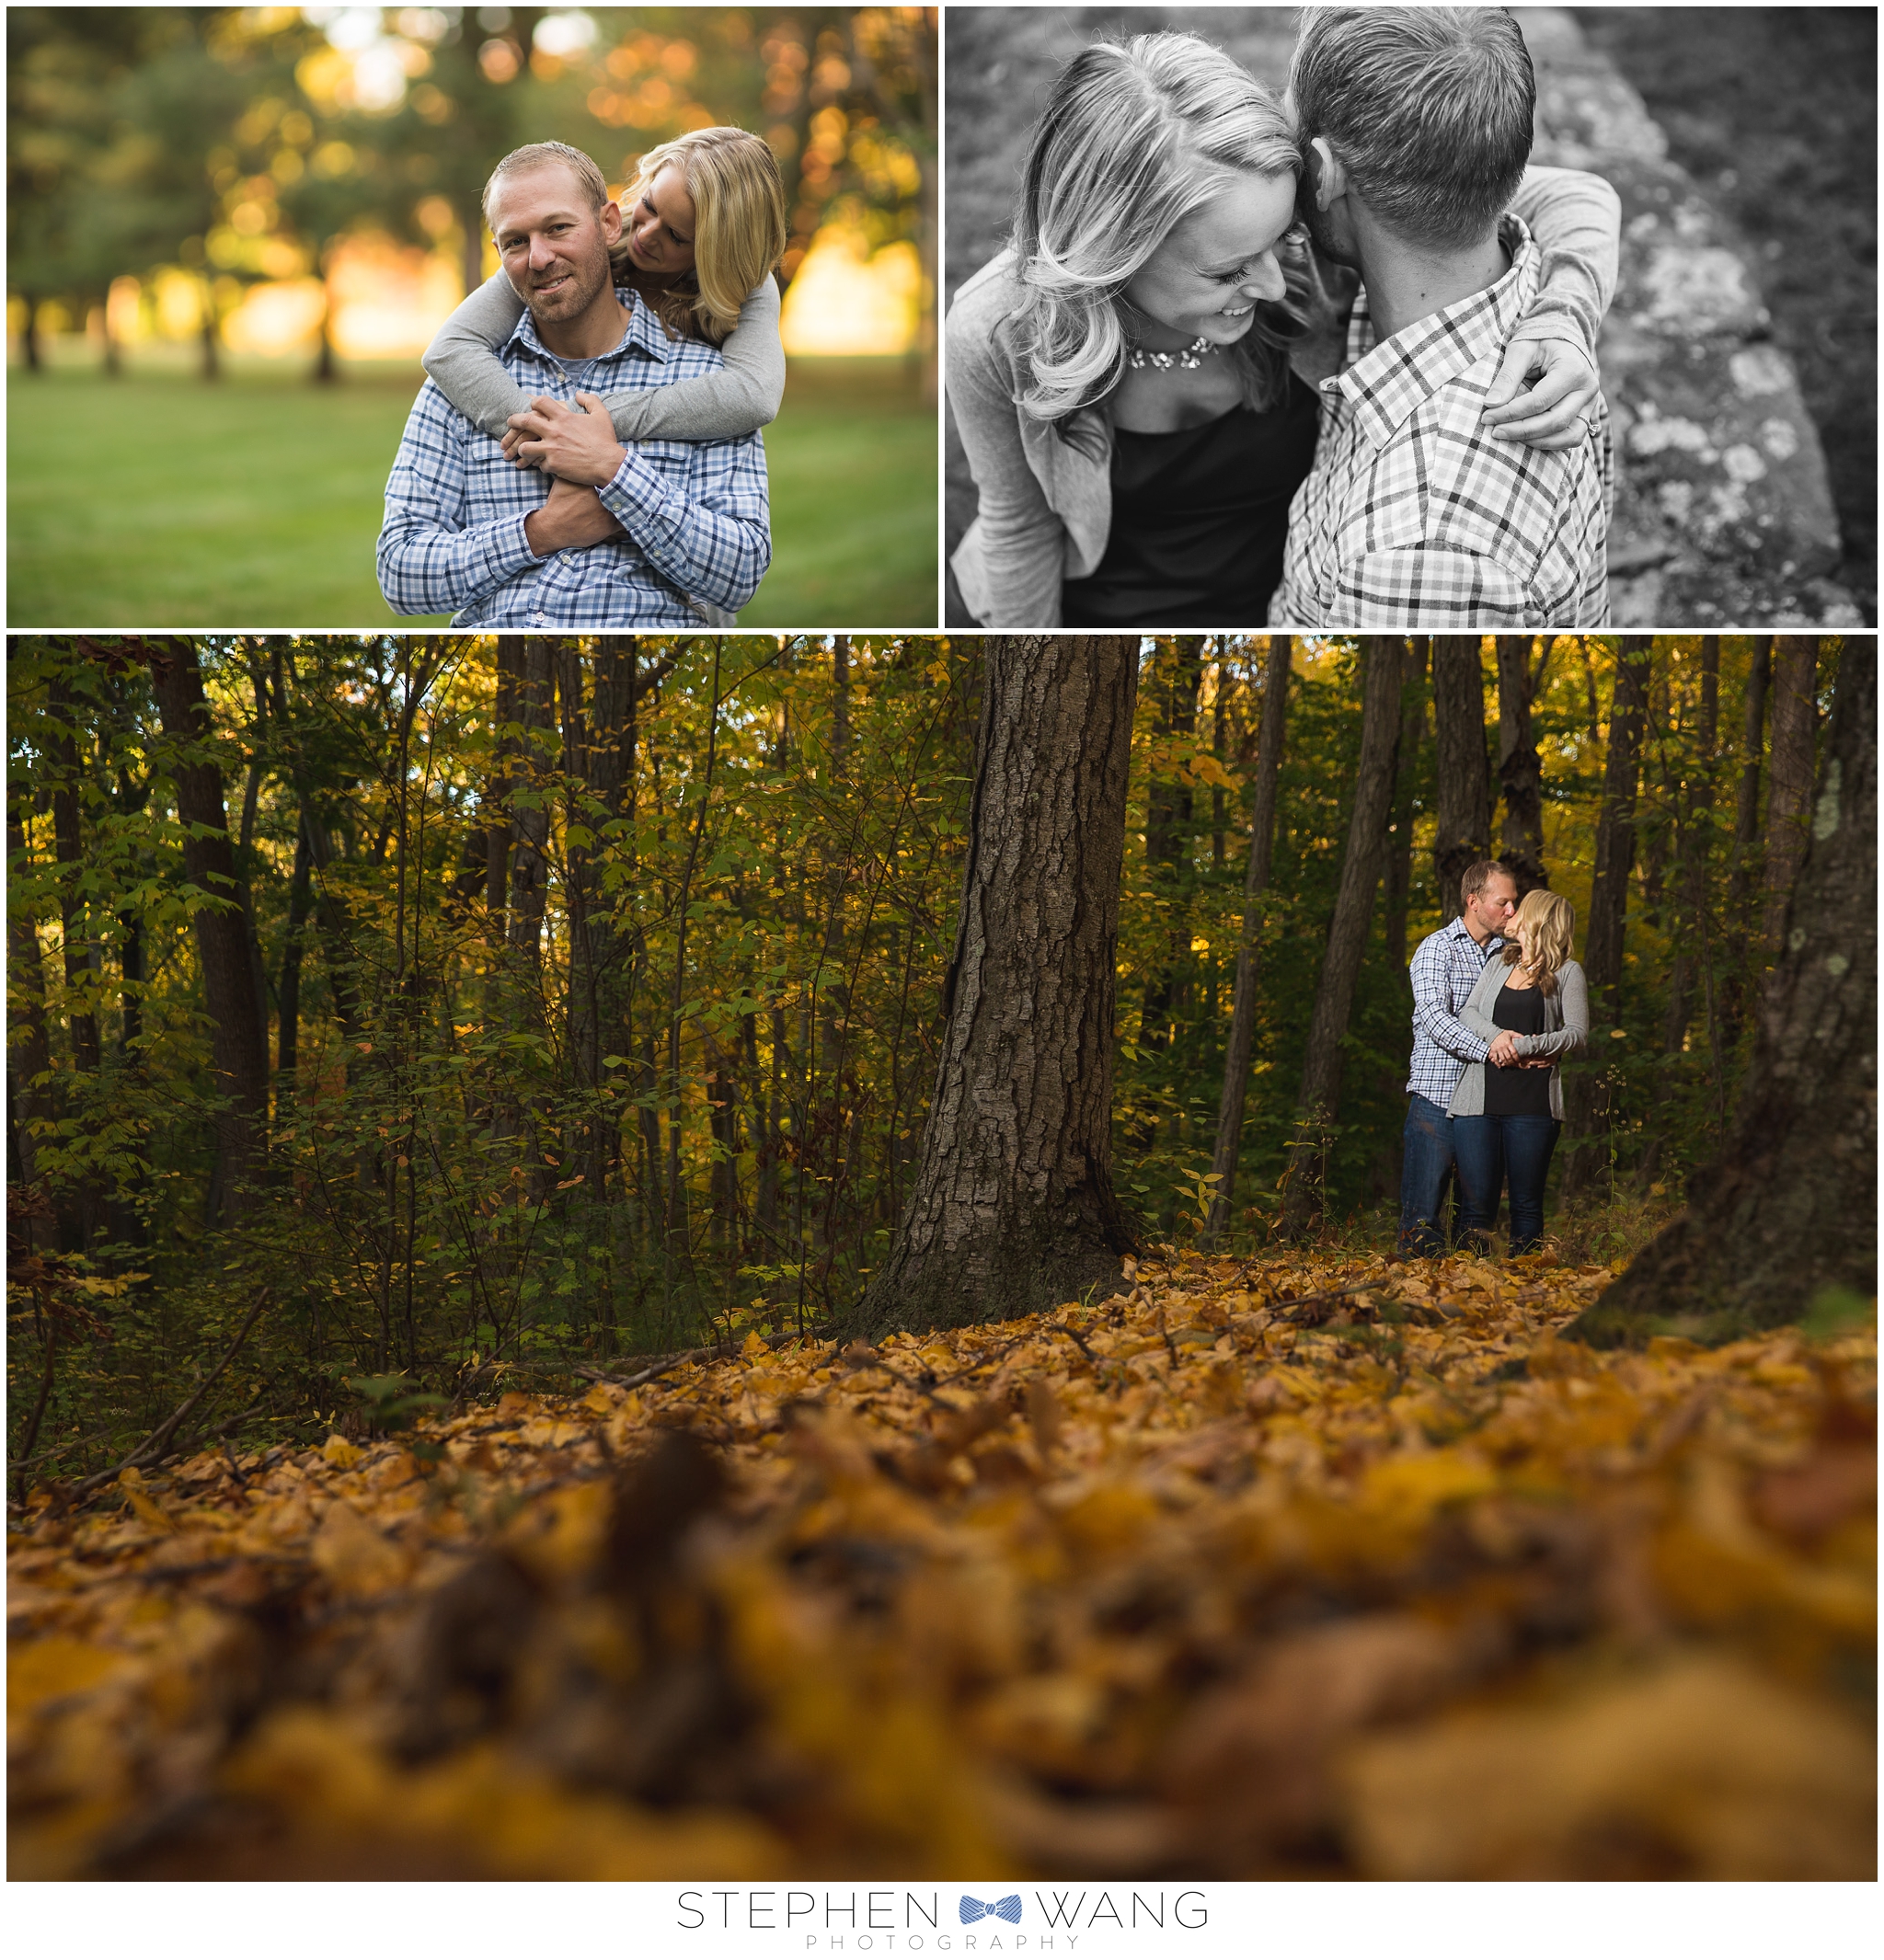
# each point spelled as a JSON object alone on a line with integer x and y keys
{"x": 1312, "y": 1567}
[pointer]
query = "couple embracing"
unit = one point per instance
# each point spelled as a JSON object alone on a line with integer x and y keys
{"x": 1497, "y": 1005}
{"x": 1181, "y": 407}
{"x": 586, "y": 452}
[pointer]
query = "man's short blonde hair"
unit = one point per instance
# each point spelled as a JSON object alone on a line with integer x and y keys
{"x": 534, "y": 155}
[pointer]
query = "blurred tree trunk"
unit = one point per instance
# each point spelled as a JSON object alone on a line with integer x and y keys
{"x": 1013, "y": 1208}
{"x": 1790, "y": 1206}
{"x": 1361, "y": 867}
{"x": 1588, "y": 1106}
{"x": 1461, "y": 836}
{"x": 1256, "y": 882}
{"x": 1520, "y": 770}
{"x": 239, "y": 1043}
{"x": 1795, "y": 724}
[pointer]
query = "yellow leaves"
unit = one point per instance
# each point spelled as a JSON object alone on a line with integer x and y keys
{"x": 1703, "y": 1770}
{"x": 132, "y": 1482}
{"x": 353, "y": 1556}
{"x": 1309, "y": 1551}
{"x": 46, "y": 1670}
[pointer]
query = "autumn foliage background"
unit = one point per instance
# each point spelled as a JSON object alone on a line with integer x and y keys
{"x": 523, "y": 1518}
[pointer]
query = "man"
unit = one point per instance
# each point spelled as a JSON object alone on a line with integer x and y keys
{"x": 658, "y": 535}
{"x": 1416, "y": 122}
{"x": 1444, "y": 970}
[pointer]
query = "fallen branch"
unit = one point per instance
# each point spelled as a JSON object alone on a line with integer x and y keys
{"x": 157, "y": 1441}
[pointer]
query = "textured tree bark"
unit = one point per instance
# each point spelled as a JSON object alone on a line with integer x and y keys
{"x": 1790, "y": 1207}
{"x": 1012, "y": 1208}
{"x": 1256, "y": 882}
{"x": 1463, "y": 833}
{"x": 1520, "y": 769}
{"x": 238, "y": 1044}
{"x": 1794, "y": 724}
{"x": 1587, "y": 1103}
{"x": 1334, "y": 997}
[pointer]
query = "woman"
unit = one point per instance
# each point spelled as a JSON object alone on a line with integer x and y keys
{"x": 1133, "y": 377}
{"x": 704, "y": 230}
{"x": 1534, "y": 1007}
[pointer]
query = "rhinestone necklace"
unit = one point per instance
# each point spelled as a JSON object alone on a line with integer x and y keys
{"x": 1191, "y": 357}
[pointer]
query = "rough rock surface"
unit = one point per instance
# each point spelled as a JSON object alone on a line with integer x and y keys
{"x": 1724, "y": 515}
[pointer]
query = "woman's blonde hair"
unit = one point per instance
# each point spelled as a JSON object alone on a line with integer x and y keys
{"x": 739, "y": 225}
{"x": 1550, "y": 921}
{"x": 1137, "y": 136}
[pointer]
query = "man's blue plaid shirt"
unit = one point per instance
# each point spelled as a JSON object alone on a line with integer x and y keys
{"x": 695, "y": 513}
{"x": 1444, "y": 970}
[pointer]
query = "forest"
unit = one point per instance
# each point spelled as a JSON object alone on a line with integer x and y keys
{"x": 498, "y": 1007}
{"x": 520, "y": 1254}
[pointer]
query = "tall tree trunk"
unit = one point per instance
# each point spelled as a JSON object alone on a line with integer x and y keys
{"x": 288, "y": 989}
{"x": 834, "y": 995}
{"x": 1738, "y": 993}
{"x": 1399, "y": 859}
{"x": 1333, "y": 996}
{"x": 1461, "y": 836}
{"x": 1013, "y": 1208}
{"x": 1589, "y": 1107}
{"x": 1789, "y": 1208}
{"x": 1256, "y": 882}
{"x": 28, "y": 1053}
{"x": 68, "y": 846}
{"x": 1176, "y": 674}
{"x": 530, "y": 815}
{"x": 1794, "y": 724}
{"x": 1520, "y": 769}
{"x": 1693, "y": 796}
{"x": 239, "y": 1043}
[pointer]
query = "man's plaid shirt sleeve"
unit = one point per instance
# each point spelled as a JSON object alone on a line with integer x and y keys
{"x": 429, "y": 560}
{"x": 1432, "y": 1006}
{"x": 716, "y": 540}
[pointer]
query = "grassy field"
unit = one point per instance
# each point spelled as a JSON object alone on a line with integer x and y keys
{"x": 157, "y": 501}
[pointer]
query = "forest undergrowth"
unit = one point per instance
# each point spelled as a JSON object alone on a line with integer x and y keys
{"x": 1315, "y": 1565}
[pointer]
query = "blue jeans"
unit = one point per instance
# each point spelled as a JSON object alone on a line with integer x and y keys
{"x": 1425, "y": 1168}
{"x": 1492, "y": 1149}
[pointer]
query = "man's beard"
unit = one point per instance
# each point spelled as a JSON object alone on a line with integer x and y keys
{"x": 576, "y": 295}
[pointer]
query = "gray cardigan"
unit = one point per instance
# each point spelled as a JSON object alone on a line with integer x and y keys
{"x": 1566, "y": 1027}
{"x": 1045, "y": 501}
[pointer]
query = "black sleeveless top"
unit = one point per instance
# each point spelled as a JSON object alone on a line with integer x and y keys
{"x": 1517, "y": 1092}
{"x": 1199, "y": 518}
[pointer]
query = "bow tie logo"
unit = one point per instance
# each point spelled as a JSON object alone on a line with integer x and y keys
{"x": 1007, "y": 1909}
